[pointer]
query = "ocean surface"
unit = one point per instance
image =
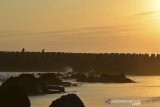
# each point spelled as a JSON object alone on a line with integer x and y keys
{"x": 144, "y": 93}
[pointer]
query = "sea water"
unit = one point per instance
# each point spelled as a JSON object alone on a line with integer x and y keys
{"x": 146, "y": 90}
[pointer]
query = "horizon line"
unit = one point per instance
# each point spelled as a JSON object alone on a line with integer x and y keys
{"x": 83, "y": 52}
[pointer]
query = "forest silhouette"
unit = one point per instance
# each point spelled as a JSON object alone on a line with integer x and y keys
{"x": 111, "y": 63}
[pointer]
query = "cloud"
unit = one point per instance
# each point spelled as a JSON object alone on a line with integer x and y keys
{"x": 69, "y": 34}
{"x": 148, "y": 13}
{"x": 89, "y": 30}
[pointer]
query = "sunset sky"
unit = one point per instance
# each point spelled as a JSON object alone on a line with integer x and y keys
{"x": 80, "y": 25}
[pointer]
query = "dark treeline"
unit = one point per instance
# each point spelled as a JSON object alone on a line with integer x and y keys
{"x": 113, "y": 63}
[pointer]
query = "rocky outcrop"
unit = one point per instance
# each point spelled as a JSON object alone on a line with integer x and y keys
{"x": 70, "y": 100}
{"x": 50, "y": 79}
{"x": 27, "y": 81}
{"x": 80, "y": 77}
{"x": 45, "y": 84}
{"x": 13, "y": 96}
{"x": 103, "y": 78}
{"x": 51, "y": 83}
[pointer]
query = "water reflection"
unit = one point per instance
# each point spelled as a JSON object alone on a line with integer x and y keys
{"x": 147, "y": 89}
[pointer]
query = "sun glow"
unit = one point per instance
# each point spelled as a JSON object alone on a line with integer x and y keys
{"x": 156, "y": 5}
{"x": 154, "y": 16}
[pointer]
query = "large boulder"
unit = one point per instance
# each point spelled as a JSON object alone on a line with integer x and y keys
{"x": 106, "y": 78}
{"x": 27, "y": 81}
{"x": 70, "y": 100}
{"x": 50, "y": 79}
{"x": 103, "y": 78}
{"x": 80, "y": 77}
{"x": 45, "y": 84}
{"x": 51, "y": 83}
{"x": 13, "y": 96}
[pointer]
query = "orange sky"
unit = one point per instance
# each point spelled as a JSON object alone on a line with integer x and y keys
{"x": 80, "y": 25}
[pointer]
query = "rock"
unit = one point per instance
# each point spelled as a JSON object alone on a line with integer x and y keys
{"x": 51, "y": 83}
{"x": 52, "y": 89}
{"x": 92, "y": 79}
{"x": 45, "y": 84}
{"x": 13, "y": 96}
{"x": 106, "y": 78}
{"x": 66, "y": 84}
{"x": 103, "y": 78}
{"x": 70, "y": 100}
{"x": 27, "y": 81}
{"x": 80, "y": 77}
{"x": 50, "y": 79}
